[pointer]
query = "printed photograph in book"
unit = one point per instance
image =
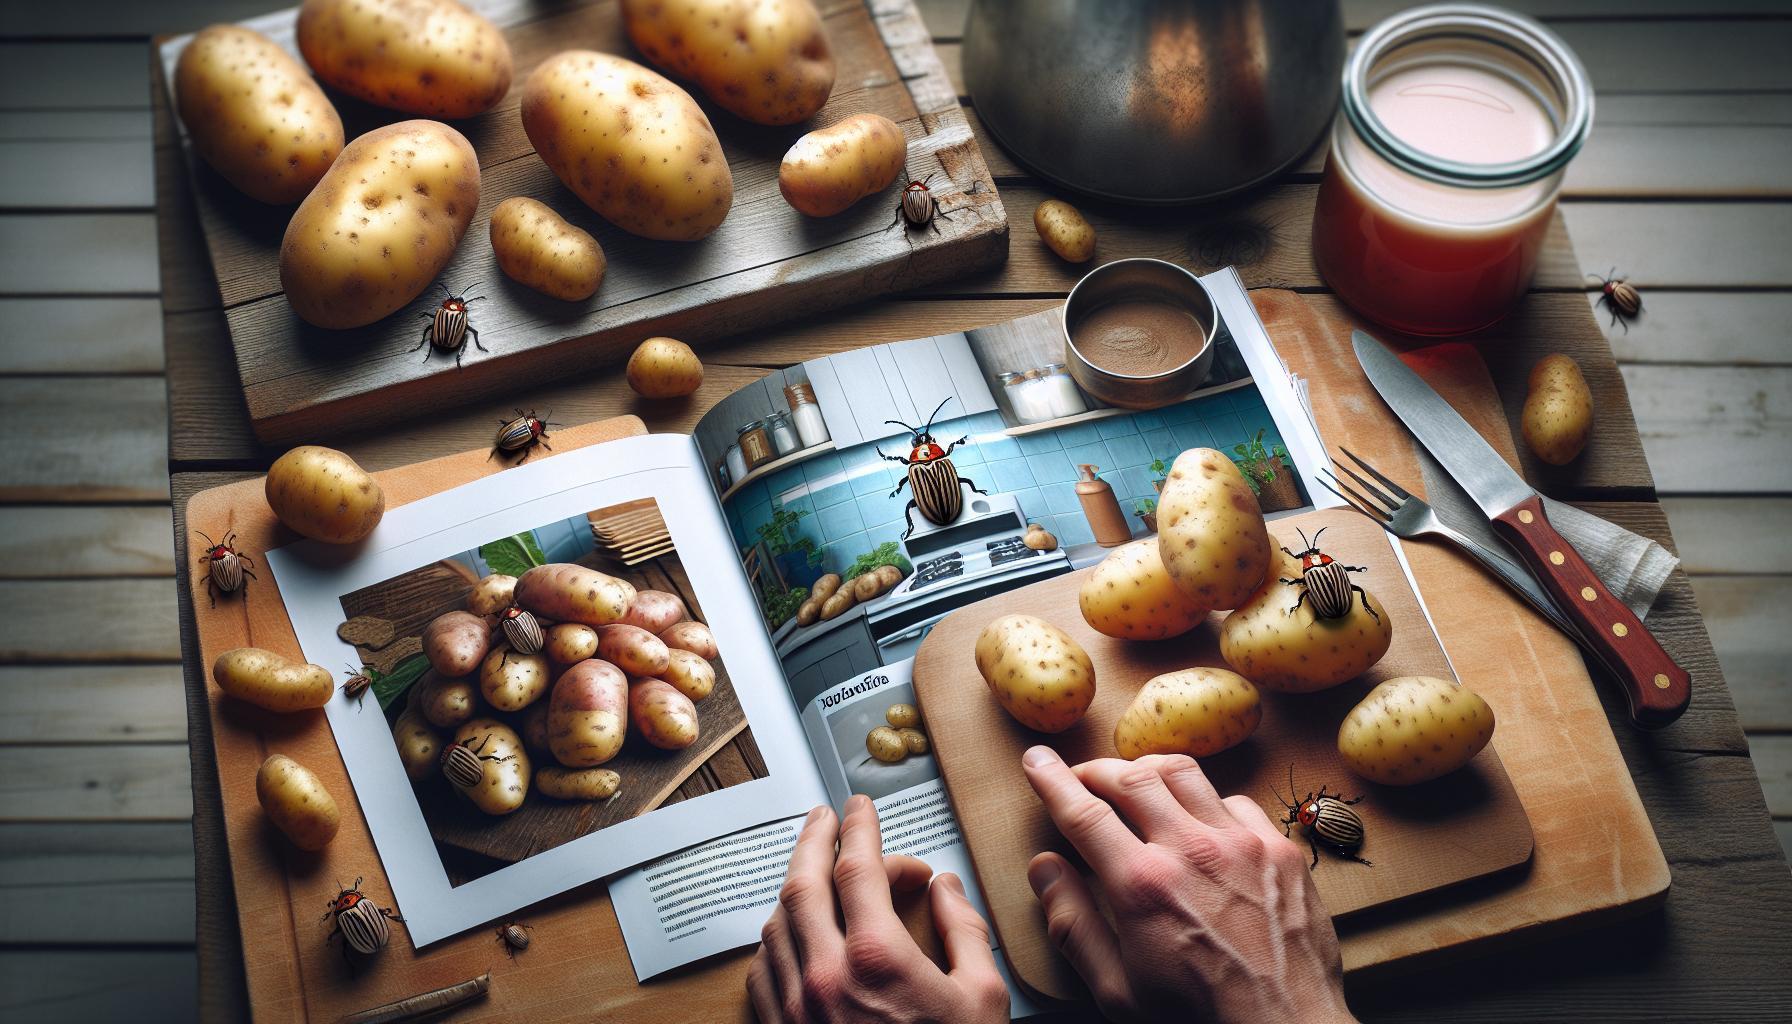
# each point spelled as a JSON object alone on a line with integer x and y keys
{"x": 531, "y": 706}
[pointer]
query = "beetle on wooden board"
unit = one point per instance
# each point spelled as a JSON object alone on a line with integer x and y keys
{"x": 932, "y": 479}
{"x": 1620, "y": 297}
{"x": 918, "y": 208}
{"x": 360, "y": 922}
{"x": 448, "y": 325}
{"x": 227, "y": 570}
{"x": 1325, "y": 818}
{"x": 1326, "y": 580}
{"x": 514, "y": 937}
{"x": 522, "y": 434}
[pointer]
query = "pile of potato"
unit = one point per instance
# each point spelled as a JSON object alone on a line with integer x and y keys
{"x": 893, "y": 743}
{"x": 832, "y": 597}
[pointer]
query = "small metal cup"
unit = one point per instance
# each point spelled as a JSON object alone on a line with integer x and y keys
{"x": 1134, "y": 279}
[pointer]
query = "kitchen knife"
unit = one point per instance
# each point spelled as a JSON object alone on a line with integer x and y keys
{"x": 1658, "y": 690}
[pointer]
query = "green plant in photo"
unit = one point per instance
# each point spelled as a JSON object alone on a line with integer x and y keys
{"x": 887, "y": 553}
{"x": 1144, "y": 507}
{"x": 1256, "y": 462}
{"x": 781, "y": 537}
{"x": 513, "y": 556}
{"x": 389, "y": 686}
{"x": 779, "y": 606}
{"x": 1159, "y": 473}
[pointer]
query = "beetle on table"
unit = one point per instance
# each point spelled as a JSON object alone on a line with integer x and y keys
{"x": 360, "y": 921}
{"x": 448, "y": 325}
{"x": 1325, "y": 818}
{"x": 227, "y": 570}
{"x": 932, "y": 479}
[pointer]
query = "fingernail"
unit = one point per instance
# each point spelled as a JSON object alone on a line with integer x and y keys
{"x": 1039, "y": 757}
{"x": 1041, "y": 876}
{"x": 858, "y": 802}
{"x": 816, "y": 814}
{"x": 953, "y": 882}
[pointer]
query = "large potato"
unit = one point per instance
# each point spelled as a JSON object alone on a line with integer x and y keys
{"x": 492, "y": 594}
{"x": 1413, "y": 729}
{"x": 297, "y": 803}
{"x": 1210, "y": 530}
{"x": 635, "y": 147}
{"x": 419, "y": 747}
{"x": 664, "y": 368}
{"x": 588, "y": 714}
{"x": 765, "y": 61}
{"x": 655, "y": 611}
{"x": 1038, "y": 673}
{"x": 455, "y": 642}
{"x": 507, "y": 770}
{"x": 323, "y": 494}
{"x": 1294, "y": 651}
{"x": 510, "y": 681}
{"x": 632, "y": 649}
{"x": 443, "y": 703}
{"x": 381, "y": 225}
{"x": 691, "y": 636}
{"x": 537, "y": 248}
{"x": 430, "y": 57}
{"x": 577, "y": 784}
{"x": 570, "y": 643}
{"x": 689, "y": 674}
{"x": 824, "y": 588}
{"x": 255, "y": 115}
{"x": 885, "y": 744}
{"x": 532, "y": 725}
{"x": 565, "y": 592}
{"x": 663, "y": 716}
{"x": 1196, "y": 711}
{"x": 1130, "y": 596}
{"x": 1558, "y": 410}
{"x": 269, "y": 680}
{"x": 831, "y": 168}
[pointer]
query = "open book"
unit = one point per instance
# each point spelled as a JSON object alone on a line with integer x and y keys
{"x": 783, "y": 485}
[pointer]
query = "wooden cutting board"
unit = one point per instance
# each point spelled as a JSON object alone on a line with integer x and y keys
{"x": 765, "y": 263}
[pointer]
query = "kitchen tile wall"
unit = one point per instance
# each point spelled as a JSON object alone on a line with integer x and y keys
{"x": 845, "y": 495}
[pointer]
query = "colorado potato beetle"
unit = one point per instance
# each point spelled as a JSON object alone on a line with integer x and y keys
{"x": 522, "y": 630}
{"x": 522, "y": 434}
{"x": 932, "y": 479}
{"x": 227, "y": 570}
{"x": 918, "y": 207}
{"x": 1620, "y": 297}
{"x": 514, "y": 937}
{"x": 360, "y": 922}
{"x": 1326, "y": 580}
{"x": 1325, "y": 818}
{"x": 464, "y": 765}
{"x": 359, "y": 681}
{"x": 448, "y": 325}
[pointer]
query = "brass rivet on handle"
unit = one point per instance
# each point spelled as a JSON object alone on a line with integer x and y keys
{"x": 1524, "y": 515}
{"x": 1661, "y": 681}
{"x": 1557, "y": 558}
{"x": 1587, "y": 593}
{"x": 1620, "y": 629}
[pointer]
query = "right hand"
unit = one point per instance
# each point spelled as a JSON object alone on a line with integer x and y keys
{"x": 1215, "y": 913}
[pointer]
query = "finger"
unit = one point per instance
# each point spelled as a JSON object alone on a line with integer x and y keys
{"x": 808, "y": 893}
{"x": 1251, "y": 815}
{"x": 906, "y": 874}
{"x": 762, "y": 990}
{"x": 962, "y": 930}
{"x": 1189, "y": 784}
{"x": 1076, "y": 926}
{"x": 779, "y": 950}
{"x": 1136, "y": 788}
{"x": 860, "y": 879}
{"x": 1085, "y": 819}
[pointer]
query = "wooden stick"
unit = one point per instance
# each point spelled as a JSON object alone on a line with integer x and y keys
{"x": 424, "y": 1005}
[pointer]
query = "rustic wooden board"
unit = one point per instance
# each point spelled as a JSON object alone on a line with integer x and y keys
{"x": 765, "y": 263}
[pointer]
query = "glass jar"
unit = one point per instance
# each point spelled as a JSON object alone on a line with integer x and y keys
{"x": 1030, "y": 401}
{"x": 783, "y": 434}
{"x": 734, "y": 464}
{"x": 1457, "y": 122}
{"x": 755, "y": 445}
{"x": 805, "y": 412}
{"x": 1061, "y": 391}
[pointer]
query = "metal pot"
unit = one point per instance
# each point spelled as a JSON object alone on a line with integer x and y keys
{"x": 1155, "y": 102}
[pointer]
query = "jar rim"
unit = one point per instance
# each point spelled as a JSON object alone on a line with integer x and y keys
{"x": 1523, "y": 35}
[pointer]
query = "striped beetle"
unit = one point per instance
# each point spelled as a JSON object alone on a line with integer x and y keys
{"x": 1326, "y": 818}
{"x": 932, "y": 479}
{"x": 360, "y": 922}
{"x": 521, "y": 630}
{"x": 448, "y": 326}
{"x": 1620, "y": 297}
{"x": 514, "y": 937}
{"x": 226, "y": 569}
{"x": 1325, "y": 580}
{"x": 360, "y": 680}
{"x": 464, "y": 765}
{"x": 918, "y": 207}
{"x": 522, "y": 434}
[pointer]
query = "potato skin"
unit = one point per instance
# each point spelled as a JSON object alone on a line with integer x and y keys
{"x": 255, "y": 115}
{"x": 824, "y": 588}
{"x": 914, "y": 739}
{"x": 381, "y": 225}
{"x": 297, "y": 803}
{"x": 269, "y": 680}
{"x": 902, "y": 716}
{"x": 581, "y": 784}
{"x": 663, "y": 716}
{"x": 1558, "y": 410}
{"x": 323, "y": 494}
{"x": 506, "y": 780}
{"x": 511, "y": 681}
{"x": 1130, "y": 595}
{"x": 588, "y": 714}
{"x": 456, "y": 642}
{"x": 532, "y": 726}
{"x": 632, "y": 649}
{"x": 443, "y": 703}
{"x": 831, "y": 168}
{"x": 419, "y": 746}
{"x": 655, "y": 611}
{"x": 1195, "y": 711}
{"x": 691, "y": 636}
{"x": 1413, "y": 729}
{"x": 1210, "y": 531}
{"x": 492, "y": 594}
{"x": 689, "y": 674}
{"x": 434, "y": 58}
{"x": 764, "y": 61}
{"x": 1064, "y": 231}
{"x": 664, "y": 368}
{"x": 629, "y": 143}
{"x": 885, "y": 744}
{"x": 1299, "y": 653}
{"x": 570, "y": 643}
{"x": 565, "y": 592}
{"x": 538, "y": 249}
{"x": 839, "y": 604}
{"x": 1037, "y": 672}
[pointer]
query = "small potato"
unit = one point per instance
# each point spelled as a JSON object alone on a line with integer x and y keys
{"x": 692, "y": 636}
{"x": 1064, "y": 231}
{"x": 888, "y": 576}
{"x": 831, "y": 168}
{"x": 1130, "y": 595}
{"x": 885, "y": 744}
{"x": 510, "y": 681}
{"x": 532, "y": 726}
{"x": 865, "y": 587}
{"x": 765, "y": 61}
{"x": 914, "y": 739}
{"x": 808, "y": 612}
{"x": 269, "y": 680}
{"x": 443, "y": 703}
{"x": 455, "y": 642}
{"x": 492, "y": 594}
{"x": 323, "y": 494}
{"x": 1196, "y": 711}
{"x": 419, "y": 746}
{"x": 664, "y": 717}
{"x": 824, "y": 588}
{"x": 581, "y": 784}
{"x": 1037, "y": 672}
{"x": 538, "y": 249}
{"x": 297, "y": 803}
{"x": 1290, "y": 651}
{"x": 429, "y": 57}
{"x": 565, "y": 592}
{"x": 507, "y": 768}
{"x": 588, "y": 714}
{"x": 655, "y": 611}
{"x": 839, "y": 604}
{"x": 689, "y": 674}
{"x": 570, "y": 643}
{"x": 1210, "y": 531}
{"x": 255, "y": 115}
{"x": 1412, "y": 729}
{"x": 902, "y": 716}
{"x": 1558, "y": 411}
{"x": 664, "y": 368}
{"x": 632, "y": 649}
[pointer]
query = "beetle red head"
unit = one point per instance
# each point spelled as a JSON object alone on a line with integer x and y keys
{"x": 926, "y": 452}
{"x": 219, "y": 552}
{"x": 454, "y": 305}
{"x": 1308, "y": 812}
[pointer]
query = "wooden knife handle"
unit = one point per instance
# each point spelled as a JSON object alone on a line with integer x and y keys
{"x": 1658, "y": 690}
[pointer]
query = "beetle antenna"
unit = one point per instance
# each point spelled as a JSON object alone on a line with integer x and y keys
{"x": 1315, "y": 542}
{"x": 208, "y": 541}
{"x": 936, "y": 412}
{"x": 445, "y": 290}
{"x": 1278, "y": 792}
{"x": 1309, "y": 544}
{"x": 904, "y": 426}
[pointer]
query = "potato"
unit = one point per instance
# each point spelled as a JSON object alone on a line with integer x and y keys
{"x": 1210, "y": 531}
{"x": 255, "y": 115}
{"x": 419, "y": 746}
{"x": 632, "y": 649}
{"x": 443, "y": 703}
{"x": 629, "y": 143}
{"x": 381, "y": 225}
{"x": 655, "y": 611}
{"x": 532, "y": 726}
{"x": 538, "y": 249}
{"x": 888, "y": 576}
{"x": 691, "y": 636}
{"x": 492, "y": 594}
{"x": 587, "y": 715}
{"x": 570, "y": 643}
{"x": 1412, "y": 729}
{"x": 1293, "y": 651}
{"x": 1064, "y": 231}
{"x": 665, "y": 718}
{"x": 1039, "y": 538}
{"x": 885, "y": 744}
{"x": 322, "y": 494}
{"x": 914, "y": 739}
{"x": 565, "y": 592}
{"x": 1130, "y": 596}
{"x": 831, "y": 168}
{"x": 1196, "y": 711}
{"x": 838, "y": 605}
{"x": 297, "y": 803}
{"x": 430, "y": 57}
{"x": 510, "y": 681}
{"x": 1037, "y": 672}
{"x": 764, "y": 61}
{"x": 689, "y": 674}
{"x": 456, "y": 642}
{"x": 865, "y": 586}
{"x": 902, "y": 716}
{"x": 825, "y": 586}
{"x": 664, "y": 368}
{"x": 581, "y": 784}
{"x": 1558, "y": 410}
{"x": 507, "y": 768}
{"x": 808, "y": 612}
{"x": 269, "y": 680}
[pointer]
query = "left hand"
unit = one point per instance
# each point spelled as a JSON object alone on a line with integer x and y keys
{"x": 809, "y": 969}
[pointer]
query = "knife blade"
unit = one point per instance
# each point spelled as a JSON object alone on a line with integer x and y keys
{"x": 1656, "y": 689}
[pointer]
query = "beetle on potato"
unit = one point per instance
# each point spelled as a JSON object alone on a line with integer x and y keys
{"x": 434, "y": 58}
{"x": 538, "y": 249}
{"x": 828, "y": 170}
{"x": 1299, "y": 651}
{"x": 323, "y": 494}
{"x": 765, "y": 61}
{"x": 1038, "y": 673}
{"x": 505, "y": 778}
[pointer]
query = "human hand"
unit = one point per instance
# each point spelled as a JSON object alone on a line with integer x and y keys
{"x": 1215, "y": 913}
{"x": 809, "y": 970}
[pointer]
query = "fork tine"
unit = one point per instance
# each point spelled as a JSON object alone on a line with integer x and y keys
{"x": 1391, "y": 503}
{"x": 1396, "y": 488}
{"x": 1363, "y": 506}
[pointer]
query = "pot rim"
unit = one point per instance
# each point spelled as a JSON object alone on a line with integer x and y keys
{"x": 1209, "y": 320}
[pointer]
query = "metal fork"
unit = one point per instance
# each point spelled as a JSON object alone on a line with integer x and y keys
{"x": 1405, "y": 515}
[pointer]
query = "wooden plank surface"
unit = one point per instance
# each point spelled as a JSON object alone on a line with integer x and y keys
{"x": 83, "y": 540}
{"x": 94, "y": 704}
